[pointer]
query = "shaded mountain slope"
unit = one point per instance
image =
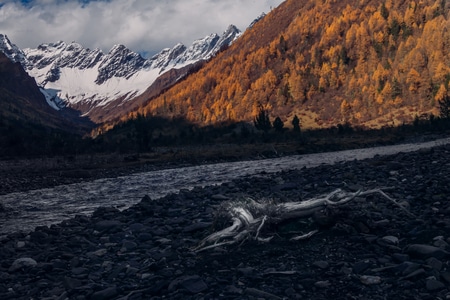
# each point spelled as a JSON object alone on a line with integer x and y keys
{"x": 27, "y": 123}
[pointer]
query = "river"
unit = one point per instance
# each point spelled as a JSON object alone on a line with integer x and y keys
{"x": 26, "y": 210}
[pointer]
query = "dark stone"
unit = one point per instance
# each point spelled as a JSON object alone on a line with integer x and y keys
{"x": 128, "y": 246}
{"x": 194, "y": 284}
{"x": 197, "y": 226}
{"x": 143, "y": 237}
{"x": 21, "y": 264}
{"x": 321, "y": 264}
{"x": 231, "y": 289}
{"x": 435, "y": 264}
{"x": 414, "y": 274}
{"x": 434, "y": 285}
{"x": 426, "y": 251}
{"x": 247, "y": 271}
{"x": 80, "y": 271}
{"x": 360, "y": 266}
{"x": 399, "y": 257}
{"x": 137, "y": 227}
{"x": 219, "y": 197}
{"x": 71, "y": 283}
{"x": 107, "y": 225}
{"x": 407, "y": 268}
{"x": 108, "y": 293}
{"x": 39, "y": 237}
{"x": 446, "y": 277}
{"x": 59, "y": 263}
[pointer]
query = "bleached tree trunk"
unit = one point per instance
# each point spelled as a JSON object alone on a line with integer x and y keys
{"x": 248, "y": 218}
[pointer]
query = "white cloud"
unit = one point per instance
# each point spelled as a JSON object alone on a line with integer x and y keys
{"x": 141, "y": 25}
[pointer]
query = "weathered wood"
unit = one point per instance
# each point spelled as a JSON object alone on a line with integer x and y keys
{"x": 248, "y": 225}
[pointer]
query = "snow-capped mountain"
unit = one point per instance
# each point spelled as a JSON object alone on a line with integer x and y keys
{"x": 71, "y": 75}
{"x": 202, "y": 49}
{"x": 13, "y": 52}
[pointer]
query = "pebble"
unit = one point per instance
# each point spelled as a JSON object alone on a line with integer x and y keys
{"x": 108, "y": 293}
{"x": 390, "y": 240}
{"x": 22, "y": 263}
{"x": 370, "y": 280}
{"x": 194, "y": 284}
{"x": 321, "y": 264}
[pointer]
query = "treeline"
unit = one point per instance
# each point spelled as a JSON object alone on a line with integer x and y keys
{"x": 27, "y": 139}
{"x": 142, "y": 133}
{"x": 145, "y": 134}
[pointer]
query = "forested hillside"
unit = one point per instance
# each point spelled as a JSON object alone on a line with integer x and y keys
{"x": 370, "y": 63}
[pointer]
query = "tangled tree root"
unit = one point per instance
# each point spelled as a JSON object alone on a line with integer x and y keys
{"x": 249, "y": 217}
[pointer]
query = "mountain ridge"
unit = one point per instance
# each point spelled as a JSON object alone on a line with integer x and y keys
{"x": 88, "y": 80}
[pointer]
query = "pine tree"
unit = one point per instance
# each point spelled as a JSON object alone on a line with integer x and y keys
{"x": 278, "y": 124}
{"x": 262, "y": 121}
{"x": 296, "y": 123}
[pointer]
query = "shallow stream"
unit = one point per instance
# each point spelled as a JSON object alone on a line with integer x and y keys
{"x": 26, "y": 210}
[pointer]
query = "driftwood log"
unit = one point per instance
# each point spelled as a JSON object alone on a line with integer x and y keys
{"x": 249, "y": 217}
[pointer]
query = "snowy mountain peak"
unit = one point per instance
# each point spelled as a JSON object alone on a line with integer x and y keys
{"x": 59, "y": 55}
{"x": 228, "y": 36}
{"x": 120, "y": 62}
{"x": 87, "y": 80}
{"x": 231, "y": 30}
{"x": 11, "y": 51}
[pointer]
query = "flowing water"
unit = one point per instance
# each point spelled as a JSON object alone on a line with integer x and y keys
{"x": 26, "y": 210}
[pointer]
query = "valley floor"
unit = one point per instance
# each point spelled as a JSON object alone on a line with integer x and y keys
{"x": 367, "y": 249}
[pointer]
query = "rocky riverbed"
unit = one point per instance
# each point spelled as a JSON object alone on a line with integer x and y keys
{"x": 366, "y": 249}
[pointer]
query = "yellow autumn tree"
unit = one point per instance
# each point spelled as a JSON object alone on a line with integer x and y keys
{"x": 414, "y": 80}
{"x": 441, "y": 93}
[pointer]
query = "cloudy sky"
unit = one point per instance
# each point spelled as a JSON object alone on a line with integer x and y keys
{"x": 145, "y": 26}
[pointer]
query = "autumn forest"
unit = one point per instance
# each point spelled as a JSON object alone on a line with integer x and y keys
{"x": 368, "y": 63}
